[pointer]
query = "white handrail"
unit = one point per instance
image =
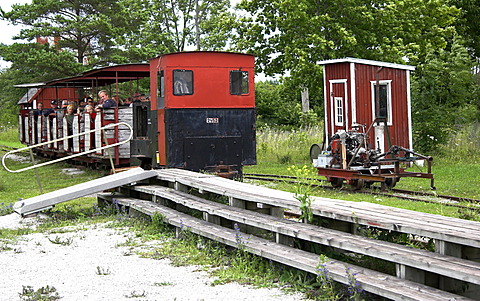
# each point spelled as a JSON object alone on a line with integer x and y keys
{"x": 65, "y": 138}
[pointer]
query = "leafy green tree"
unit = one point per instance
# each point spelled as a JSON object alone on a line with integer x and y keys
{"x": 468, "y": 24}
{"x": 278, "y": 104}
{"x": 164, "y": 26}
{"x": 293, "y": 35}
{"x": 445, "y": 95}
{"x": 86, "y": 28}
{"x": 10, "y": 95}
{"x": 39, "y": 62}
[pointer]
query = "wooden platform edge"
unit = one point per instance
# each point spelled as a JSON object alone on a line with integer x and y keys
{"x": 463, "y": 270}
{"x": 375, "y": 282}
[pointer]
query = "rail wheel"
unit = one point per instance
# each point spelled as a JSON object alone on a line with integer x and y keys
{"x": 357, "y": 184}
{"x": 336, "y": 182}
{"x": 389, "y": 183}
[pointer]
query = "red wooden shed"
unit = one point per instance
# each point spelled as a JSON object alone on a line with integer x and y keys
{"x": 350, "y": 87}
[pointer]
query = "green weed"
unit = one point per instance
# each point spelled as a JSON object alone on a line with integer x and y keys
{"x": 47, "y": 293}
{"x": 135, "y": 294}
{"x": 102, "y": 271}
{"x": 59, "y": 241}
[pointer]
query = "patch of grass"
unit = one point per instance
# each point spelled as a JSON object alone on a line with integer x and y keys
{"x": 135, "y": 294}
{"x": 102, "y": 271}
{"x": 9, "y": 137}
{"x": 47, "y": 293}
{"x": 6, "y": 209}
{"x": 163, "y": 284}
{"x": 276, "y": 146}
{"x": 61, "y": 241}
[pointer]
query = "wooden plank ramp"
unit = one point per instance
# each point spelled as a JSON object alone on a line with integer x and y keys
{"x": 48, "y": 200}
{"x": 372, "y": 281}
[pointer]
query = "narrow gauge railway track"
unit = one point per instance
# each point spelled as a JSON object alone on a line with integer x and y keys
{"x": 410, "y": 195}
{"x": 6, "y": 148}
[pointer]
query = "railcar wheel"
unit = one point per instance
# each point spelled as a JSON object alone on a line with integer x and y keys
{"x": 389, "y": 183}
{"x": 357, "y": 184}
{"x": 315, "y": 150}
{"x": 336, "y": 182}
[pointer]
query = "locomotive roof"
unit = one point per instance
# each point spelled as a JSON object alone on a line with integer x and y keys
{"x": 200, "y": 53}
{"x": 97, "y": 77}
{"x": 366, "y": 62}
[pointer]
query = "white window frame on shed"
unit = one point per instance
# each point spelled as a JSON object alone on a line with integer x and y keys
{"x": 333, "y": 106}
{"x": 387, "y": 83}
{"x": 339, "y": 112}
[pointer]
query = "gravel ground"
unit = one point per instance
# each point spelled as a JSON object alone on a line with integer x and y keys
{"x": 73, "y": 270}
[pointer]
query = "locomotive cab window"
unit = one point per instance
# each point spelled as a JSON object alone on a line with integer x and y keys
{"x": 238, "y": 82}
{"x": 182, "y": 82}
{"x": 385, "y": 105}
{"x": 160, "y": 90}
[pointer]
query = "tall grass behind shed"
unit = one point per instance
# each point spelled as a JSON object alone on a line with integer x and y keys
{"x": 276, "y": 145}
{"x": 464, "y": 144}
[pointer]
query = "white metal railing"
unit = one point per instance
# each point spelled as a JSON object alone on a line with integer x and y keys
{"x": 65, "y": 138}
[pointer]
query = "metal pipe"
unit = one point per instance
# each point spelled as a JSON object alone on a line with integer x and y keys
{"x": 65, "y": 138}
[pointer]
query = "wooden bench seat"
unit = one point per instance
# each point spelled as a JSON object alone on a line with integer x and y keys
{"x": 446, "y": 229}
{"x": 452, "y": 267}
{"x": 375, "y": 282}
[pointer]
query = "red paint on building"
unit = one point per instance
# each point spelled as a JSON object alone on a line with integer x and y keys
{"x": 350, "y": 89}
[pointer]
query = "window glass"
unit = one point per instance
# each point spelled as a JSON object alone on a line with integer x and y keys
{"x": 161, "y": 90}
{"x": 383, "y": 108}
{"x": 182, "y": 82}
{"x": 161, "y": 84}
{"x": 238, "y": 82}
{"x": 385, "y": 99}
{"x": 338, "y": 111}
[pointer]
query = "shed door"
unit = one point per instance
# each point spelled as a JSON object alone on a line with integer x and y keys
{"x": 338, "y": 106}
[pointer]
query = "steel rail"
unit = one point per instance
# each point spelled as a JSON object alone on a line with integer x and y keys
{"x": 112, "y": 125}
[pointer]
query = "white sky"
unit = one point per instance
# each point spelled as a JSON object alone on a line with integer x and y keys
{"x": 7, "y": 30}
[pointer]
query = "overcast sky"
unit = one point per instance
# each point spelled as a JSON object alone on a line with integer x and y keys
{"x": 8, "y": 31}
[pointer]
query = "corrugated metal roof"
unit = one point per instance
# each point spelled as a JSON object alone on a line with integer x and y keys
{"x": 98, "y": 77}
{"x": 366, "y": 62}
{"x": 28, "y": 96}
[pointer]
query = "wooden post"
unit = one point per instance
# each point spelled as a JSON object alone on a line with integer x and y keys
{"x": 305, "y": 100}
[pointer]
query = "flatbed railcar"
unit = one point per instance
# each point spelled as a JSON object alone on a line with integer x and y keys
{"x": 200, "y": 114}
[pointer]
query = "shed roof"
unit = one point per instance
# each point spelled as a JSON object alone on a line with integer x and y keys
{"x": 366, "y": 62}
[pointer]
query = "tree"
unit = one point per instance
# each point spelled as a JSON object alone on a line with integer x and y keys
{"x": 165, "y": 26}
{"x": 276, "y": 104}
{"x": 468, "y": 24}
{"x": 10, "y": 95}
{"x": 445, "y": 95}
{"x": 39, "y": 62}
{"x": 292, "y": 35}
{"x": 85, "y": 28}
